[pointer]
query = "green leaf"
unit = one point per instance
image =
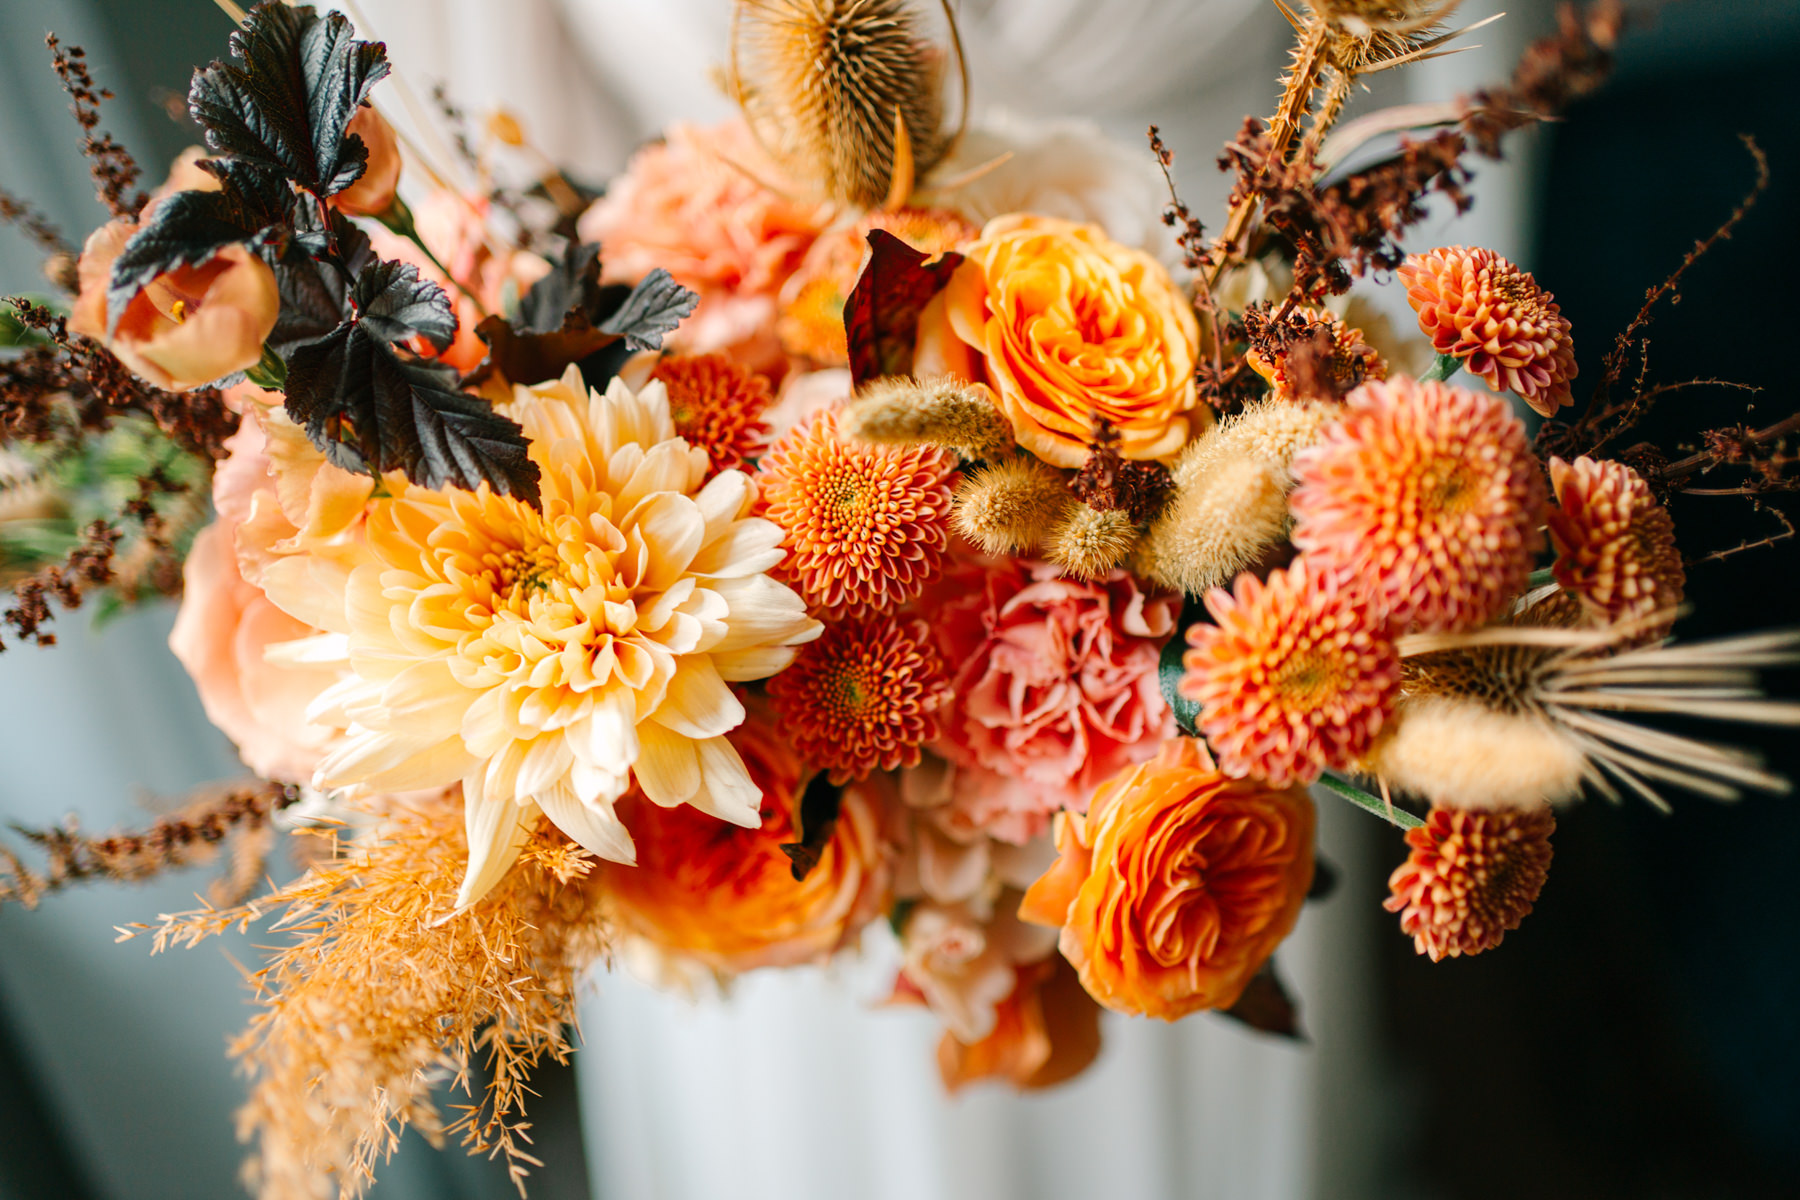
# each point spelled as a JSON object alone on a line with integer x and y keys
{"x": 285, "y": 110}
{"x": 1169, "y": 668}
{"x": 1369, "y": 803}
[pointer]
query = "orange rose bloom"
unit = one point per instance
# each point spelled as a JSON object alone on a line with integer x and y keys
{"x": 1046, "y": 1032}
{"x": 1067, "y": 325}
{"x": 1177, "y": 884}
{"x": 725, "y": 895}
{"x": 373, "y": 194}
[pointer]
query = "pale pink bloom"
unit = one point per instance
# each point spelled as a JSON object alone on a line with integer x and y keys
{"x": 963, "y": 965}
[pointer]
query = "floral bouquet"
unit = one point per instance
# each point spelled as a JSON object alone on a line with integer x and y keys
{"x": 847, "y": 517}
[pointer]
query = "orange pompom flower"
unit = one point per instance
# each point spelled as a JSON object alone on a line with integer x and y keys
{"x": 717, "y": 405}
{"x": 1473, "y": 874}
{"x": 1476, "y": 306}
{"x": 866, "y": 524}
{"x": 723, "y": 895}
{"x": 1428, "y": 496}
{"x": 1297, "y": 675}
{"x": 1615, "y": 543}
{"x": 864, "y": 696}
{"x": 1177, "y": 884}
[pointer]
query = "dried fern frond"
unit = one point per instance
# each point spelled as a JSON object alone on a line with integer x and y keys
{"x": 383, "y": 989}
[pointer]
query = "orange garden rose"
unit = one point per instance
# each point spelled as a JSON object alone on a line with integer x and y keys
{"x": 1067, "y": 325}
{"x": 1178, "y": 883}
{"x": 726, "y": 896}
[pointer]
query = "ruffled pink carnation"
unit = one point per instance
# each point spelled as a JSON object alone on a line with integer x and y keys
{"x": 689, "y": 204}
{"x": 1056, "y": 687}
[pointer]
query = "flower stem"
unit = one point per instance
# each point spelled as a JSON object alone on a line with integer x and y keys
{"x": 1369, "y": 802}
{"x": 1445, "y": 366}
{"x": 399, "y": 218}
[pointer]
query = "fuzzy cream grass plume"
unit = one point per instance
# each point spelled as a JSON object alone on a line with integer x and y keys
{"x": 1011, "y": 506}
{"x": 1515, "y": 716}
{"x": 1229, "y": 504}
{"x": 937, "y": 411}
{"x": 846, "y": 95}
{"x": 1088, "y": 542}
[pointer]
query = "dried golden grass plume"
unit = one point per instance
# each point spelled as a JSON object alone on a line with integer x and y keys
{"x": 1089, "y": 542}
{"x": 384, "y": 989}
{"x": 940, "y": 411}
{"x": 847, "y": 95}
{"x": 1011, "y": 506}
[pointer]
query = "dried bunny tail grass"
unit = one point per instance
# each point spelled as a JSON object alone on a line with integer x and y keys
{"x": 939, "y": 411}
{"x": 1518, "y": 715}
{"x": 1229, "y": 504}
{"x": 1089, "y": 542}
{"x": 846, "y": 94}
{"x": 384, "y": 989}
{"x": 1011, "y": 506}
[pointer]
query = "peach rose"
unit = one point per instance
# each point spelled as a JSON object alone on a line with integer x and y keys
{"x": 1067, "y": 325}
{"x": 692, "y": 205}
{"x": 1045, "y": 1032}
{"x": 373, "y": 194}
{"x": 707, "y": 890}
{"x": 961, "y": 959}
{"x": 226, "y": 625}
{"x": 1178, "y": 883}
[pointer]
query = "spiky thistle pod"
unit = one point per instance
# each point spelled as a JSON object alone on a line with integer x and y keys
{"x": 1011, "y": 506}
{"x": 1088, "y": 542}
{"x": 940, "y": 411}
{"x": 847, "y": 95}
{"x": 1229, "y": 504}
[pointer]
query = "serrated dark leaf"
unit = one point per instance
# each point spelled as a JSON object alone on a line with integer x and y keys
{"x": 315, "y": 299}
{"x": 286, "y": 108}
{"x": 881, "y": 314}
{"x": 528, "y": 358}
{"x": 188, "y": 228}
{"x": 329, "y": 234}
{"x": 394, "y": 304}
{"x": 1170, "y": 669}
{"x": 371, "y": 408}
{"x": 572, "y": 286}
{"x": 652, "y": 310}
{"x": 1267, "y": 1006}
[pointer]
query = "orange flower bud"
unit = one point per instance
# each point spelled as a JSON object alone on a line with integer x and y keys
{"x": 372, "y": 195}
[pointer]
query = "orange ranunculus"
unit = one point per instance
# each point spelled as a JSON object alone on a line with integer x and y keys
{"x": 1047, "y": 1031}
{"x": 704, "y": 889}
{"x": 1066, "y": 325}
{"x": 373, "y": 194}
{"x": 1177, "y": 884}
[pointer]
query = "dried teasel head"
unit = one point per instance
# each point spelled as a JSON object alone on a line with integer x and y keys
{"x": 846, "y": 94}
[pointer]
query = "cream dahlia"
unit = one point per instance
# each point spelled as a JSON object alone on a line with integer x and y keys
{"x": 546, "y": 659}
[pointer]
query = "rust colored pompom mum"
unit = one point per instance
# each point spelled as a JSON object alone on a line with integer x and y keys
{"x": 1428, "y": 496}
{"x": 1297, "y": 675}
{"x": 1476, "y": 306}
{"x": 866, "y": 524}
{"x": 1472, "y": 875}
{"x": 864, "y": 696}
{"x": 717, "y": 405}
{"x": 1615, "y": 543}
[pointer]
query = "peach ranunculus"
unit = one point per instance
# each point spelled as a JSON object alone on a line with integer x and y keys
{"x": 1177, "y": 884}
{"x": 961, "y": 960}
{"x": 692, "y": 205}
{"x": 725, "y": 895}
{"x": 226, "y": 624}
{"x": 1068, "y": 326}
{"x": 373, "y": 194}
{"x": 1056, "y": 687}
{"x": 1045, "y": 1032}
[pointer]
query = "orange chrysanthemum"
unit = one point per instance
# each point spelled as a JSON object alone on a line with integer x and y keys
{"x": 864, "y": 696}
{"x": 1473, "y": 874}
{"x": 1615, "y": 543}
{"x": 1476, "y": 306}
{"x": 717, "y": 406}
{"x": 1428, "y": 495}
{"x": 1352, "y": 360}
{"x": 866, "y": 524}
{"x": 1297, "y": 675}
{"x": 812, "y": 318}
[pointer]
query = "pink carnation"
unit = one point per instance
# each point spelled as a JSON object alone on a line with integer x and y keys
{"x": 689, "y": 204}
{"x": 1056, "y": 687}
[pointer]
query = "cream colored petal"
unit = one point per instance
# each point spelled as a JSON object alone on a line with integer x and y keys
{"x": 309, "y": 588}
{"x": 667, "y": 767}
{"x": 425, "y": 699}
{"x": 392, "y": 762}
{"x": 664, "y": 469}
{"x": 607, "y": 738}
{"x": 726, "y": 790}
{"x": 322, "y": 648}
{"x": 489, "y": 722}
{"x": 726, "y": 497}
{"x": 497, "y": 830}
{"x": 546, "y": 761}
{"x": 758, "y": 662}
{"x": 698, "y": 704}
{"x": 671, "y": 528}
{"x": 746, "y": 548}
{"x": 764, "y": 612}
{"x": 595, "y": 827}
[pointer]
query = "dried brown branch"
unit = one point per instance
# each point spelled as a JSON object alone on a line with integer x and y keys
{"x": 1552, "y": 73}
{"x": 1787, "y": 531}
{"x": 115, "y": 172}
{"x": 1196, "y": 255}
{"x": 34, "y": 224}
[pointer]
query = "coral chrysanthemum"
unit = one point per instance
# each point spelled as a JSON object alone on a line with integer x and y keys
{"x": 864, "y": 696}
{"x": 1472, "y": 875}
{"x": 545, "y": 659}
{"x": 1297, "y": 675}
{"x": 1476, "y": 306}
{"x": 866, "y": 524}
{"x": 1428, "y": 495}
{"x": 1615, "y": 543}
{"x": 717, "y": 405}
